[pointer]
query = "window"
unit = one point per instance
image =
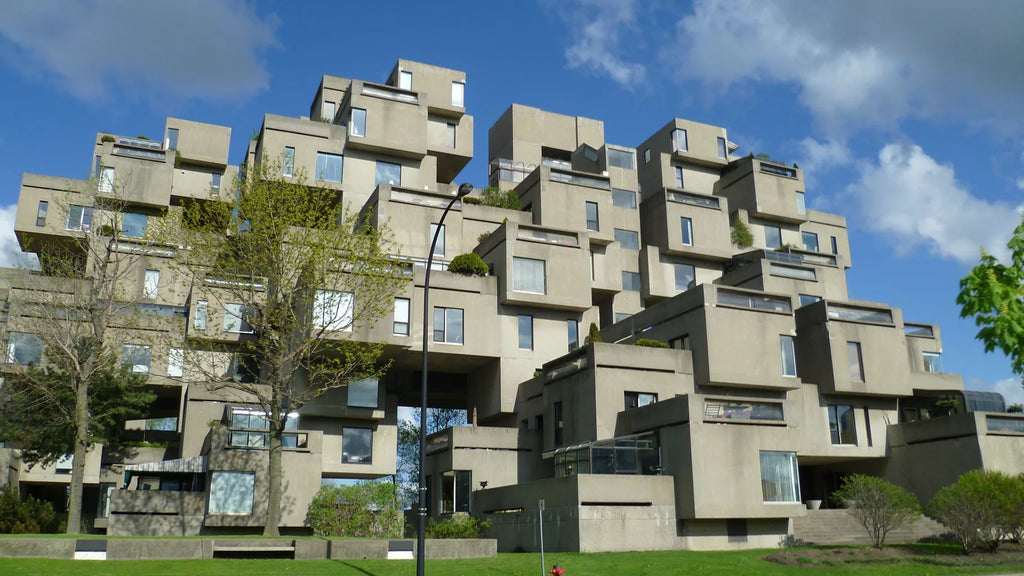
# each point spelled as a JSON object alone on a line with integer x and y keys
{"x": 647, "y": 156}
{"x": 620, "y": 158}
{"x": 215, "y": 180}
{"x": 723, "y": 152}
{"x": 106, "y": 179}
{"x": 405, "y": 80}
{"x": 638, "y": 399}
{"x": 773, "y": 237}
{"x": 686, "y": 226}
{"x": 439, "y": 246}
{"x": 172, "y": 139}
{"x": 623, "y": 198}
{"x": 401, "y": 321}
{"x": 932, "y": 362}
{"x": 592, "y": 220}
{"x": 363, "y": 393}
{"x": 450, "y": 131}
{"x": 202, "y": 307}
{"x": 573, "y": 328}
{"x": 151, "y": 284}
{"x": 801, "y": 204}
{"x": 786, "y": 345}
{"x": 288, "y": 163}
{"x": 23, "y": 348}
{"x": 630, "y": 281}
{"x": 96, "y": 167}
{"x": 133, "y": 225}
{"x": 856, "y": 361}
{"x": 235, "y": 316}
{"x": 328, "y": 167}
{"x": 620, "y": 316}
{"x": 448, "y": 325}
{"x": 835, "y": 246}
{"x": 679, "y": 143}
{"x": 79, "y": 218}
{"x": 525, "y": 332}
{"x": 41, "y": 213}
{"x": 175, "y": 362}
{"x": 559, "y": 423}
{"x": 740, "y": 410}
{"x": 842, "y": 424}
{"x": 681, "y": 343}
{"x": 810, "y": 241}
{"x": 679, "y": 176}
{"x": 327, "y": 112}
{"x": 459, "y": 94}
{"x": 332, "y": 310}
{"x": 806, "y": 299}
{"x": 686, "y": 277}
{"x": 627, "y": 239}
{"x": 780, "y": 477}
{"x": 456, "y": 491}
{"x": 792, "y": 272}
{"x": 357, "y": 445}
{"x": 136, "y": 357}
{"x": 388, "y": 173}
{"x": 528, "y": 275}
{"x": 231, "y": 492}
{"x": 357, "y": 125}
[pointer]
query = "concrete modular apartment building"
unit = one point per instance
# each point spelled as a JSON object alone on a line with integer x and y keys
{"x": 775, "y": 385}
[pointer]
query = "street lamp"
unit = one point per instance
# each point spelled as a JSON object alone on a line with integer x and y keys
{"x": 464, "y": 190}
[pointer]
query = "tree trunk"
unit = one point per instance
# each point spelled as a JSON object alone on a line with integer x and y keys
{"x": 274, "y": 490}
{"x": 78, "y": 463}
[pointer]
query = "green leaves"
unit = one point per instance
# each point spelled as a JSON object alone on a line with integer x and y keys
{"x": 879, "y": 505}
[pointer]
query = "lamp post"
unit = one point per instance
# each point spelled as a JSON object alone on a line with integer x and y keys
{"x": 464, "y": 190}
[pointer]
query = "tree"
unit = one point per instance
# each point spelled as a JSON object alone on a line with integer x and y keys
{"x": 878, "y": 505}
{"x": 993, "y": 294}
{"x": 977, "y": 508}
{"x": 68, "y": 323}
{"x": 365, "y": 510}
{"x": 307, "y": 279}
{"x": 408, "y": 468}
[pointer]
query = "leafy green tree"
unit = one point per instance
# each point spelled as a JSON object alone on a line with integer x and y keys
{"x": 993, "y": 294}
{"x": 976, "y": 508}
{"x": 741, "y": 236}
{"x": 365, "y": 510}
{"x": 29, "y": 516}
{"x": 408, "y": 467}
{"x": 310, "y": 278}
{"x": 879, "y": 506}
{"x": 458, "y": 526}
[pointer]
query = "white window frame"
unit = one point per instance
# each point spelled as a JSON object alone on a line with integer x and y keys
{"x": 401, "y": 322}
{"x": 234, "y": 319}
{"x": 129, "y": 352}
{"x": 459, "y": 94}
{"x": 333, "y": 310}
{"x": 787, "y": 350}
{"x": 288, "y": 162}
{"x": 240, "y": 488}
{"x": 82, "y": 224}
{"x": 357, "y": 129}
{"x": 447, "y": 331}
{"x": 524, "y": 272}
{"x": 327, "y": 111}
{"x": 686, "y": 230}
{"x": 175, "y": 362}
{"x": 680, "y": 144}
{"x": 151, "y": 284}
{"x": 405, "y": 80}
{"x": 202, "y": 312}
{"x": 322, "y": 159}
{"x": 439, "y": 247}
{"x": 107, "y": 176}
{"x": 527, "y": 342}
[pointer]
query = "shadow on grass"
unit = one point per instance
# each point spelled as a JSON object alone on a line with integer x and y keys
{"x": 358, "y": 569}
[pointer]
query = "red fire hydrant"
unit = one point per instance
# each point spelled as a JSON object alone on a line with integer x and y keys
{"x": 557, "y": 570}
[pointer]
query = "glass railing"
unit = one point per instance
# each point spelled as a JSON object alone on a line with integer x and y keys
{"x": 755, "y": 301}
{"x": 140, "y": 143}
{"x": 423, "y": 200}
{"x": 1004, "y": 424}
{"x": 693, "y": 199}
{"x": 140, "y": 153}
{"x": 390, "y": 93}
{"x": 859, "y": 314}
{"x": 922, "y": 330}
{"x": 546, "y": 236}
{"x": 633, "y": 455}
{"x": 793, "y": 272}
{"x": 732, "y": 410}
{"x": 580, "y": 180}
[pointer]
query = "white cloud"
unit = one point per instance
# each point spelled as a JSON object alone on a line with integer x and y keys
{"x": 596, "y": 27}
{"x": 11, "y": 255}
{"x": 818, "y": 156}
{"x": 187, "y": 48}
{"x": 1020, "y": 183}
{"x": 865, "y": 63}
{"x": 1010, "y": 388}
{"x": 917, "y": 202}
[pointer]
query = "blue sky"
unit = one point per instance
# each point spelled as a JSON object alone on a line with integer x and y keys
{"x": 907, "y": 121}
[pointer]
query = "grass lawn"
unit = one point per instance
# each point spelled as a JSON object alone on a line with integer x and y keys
{"x": 634, "y": 564}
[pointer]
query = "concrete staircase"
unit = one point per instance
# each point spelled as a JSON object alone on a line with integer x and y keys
{"x": 838, "y": 527}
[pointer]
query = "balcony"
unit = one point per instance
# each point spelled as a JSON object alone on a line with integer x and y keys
{"x": 765, "y": 189}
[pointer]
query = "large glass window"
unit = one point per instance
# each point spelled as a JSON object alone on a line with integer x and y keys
{"x": 133, "y": 225}
{"x": 172, "y": 139}
{"x": 739, "y": 410}
{"x": 623, "y": 198}
{"x": 773, "y": 237}
{"x": 401, "y": 321}
{"x": 621, "y": 158}
{"x": 41, "y": 213}
{"x": 202, "y": 308}
{"x": 525, "y": 332}
{"x": 235, "y": 316}
{"x": 801, "y": 203}
{"x": 806, "y": 299}
{"x": 459, "y": 94}
{"x": 835, "y": 245}
{"x": 630, "y": 281}
{"x": 780, "y": 477}
{"x": 842, "y": 424}
{"x": 175, "y": 362}
{"x": 388, "y": 173}
{"x": 231, "y": 492}
{"x": 439, "y": 246}
{"x": 573, "y": 329}
{"x": 215, "y": 180}
{"x": 678, "y": 170}
{"x": 448, "y": 325}
{"x": 357, "y": 124}
{"x": 528, "y": 275}
{"x": 686, "y": 225}
{"x": 328, "y": 167}
{"x": 288, "y": 162}
{"x": 810, "y": 241}
{"x": 638, "y": 399}
{"x": 363, "y": 393}
{"x": 856, "y": 361}
{"x": 136, "y": 357}
{"x": 450, "y": 131}
{"x": 679, "y": 143}
{"x": 685, "y": 276}
{"x": 332, "y": 310}
{"x": 327, "y": 112}
{"x": 932, "y": 362}
{"x": 106, "y": 179}
{"x": 627, "y": 239}
{"x": 456, "y": 491}
{"x": 405, "y": 80}
{"x": 786, "y": 345}
{"x": 151, "y": 284}
{"x": 592, "y": 219}
{"x": 79, "y": 218}
{"x": 24, "y": 348}
{"x": 723, "y": 152}
{"x": 357, "y": 445}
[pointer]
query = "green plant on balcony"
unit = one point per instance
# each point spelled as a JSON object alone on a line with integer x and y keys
{"x": 107, "y": 138}
{"x": 741, "y": 236}
{"x": 141, "y": 137}
{"x": 495, "y": 197}
{"x": 594, "y": 335}
{"x": 468, "y": 265}
{"x": 650, "y": 343}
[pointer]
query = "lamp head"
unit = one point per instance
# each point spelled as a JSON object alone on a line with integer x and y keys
{"x": 464, "y": 189}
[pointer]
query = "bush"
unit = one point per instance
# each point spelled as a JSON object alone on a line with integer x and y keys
{"x": 878, "y": 505}
{"x": 30, "y": 516}
{"x": 741, "y": 236}
{"x": 468, "y": 264}
{"x": 458, "y": 526}
{"x": 365, "y": 510}
{"x": 107, "y": 138}
{"x": 978, "y": 508}
{"x": 493, "y": 196}
{"x": 593, "y": 336}
{"x": 649, "y": 343}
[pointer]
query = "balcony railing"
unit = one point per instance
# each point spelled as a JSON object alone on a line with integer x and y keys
{"x": 546, "y": 236}
{"x": 391, "y": 93}
{"x": 922, "y": 330}
{"x": 145, "y": 154}
{"x": 693, "y": 199}
{"x": 423, "y": 200}
{"x": 836, "y": 312}
{"x": 755, "y": 301}
{"x": 580, "y": 180}
{"x": 140, "y": 143}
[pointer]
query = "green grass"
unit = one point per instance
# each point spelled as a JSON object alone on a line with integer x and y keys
{"x": 634, "y": 564}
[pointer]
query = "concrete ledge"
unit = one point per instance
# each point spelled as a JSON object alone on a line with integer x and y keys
{"x": 358, "y": 549}
{"x": 311, "y": 549}
{"x": 152, "y": 549}
{"x": 63, "y": 548}
{"x": 461, "y": 548}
